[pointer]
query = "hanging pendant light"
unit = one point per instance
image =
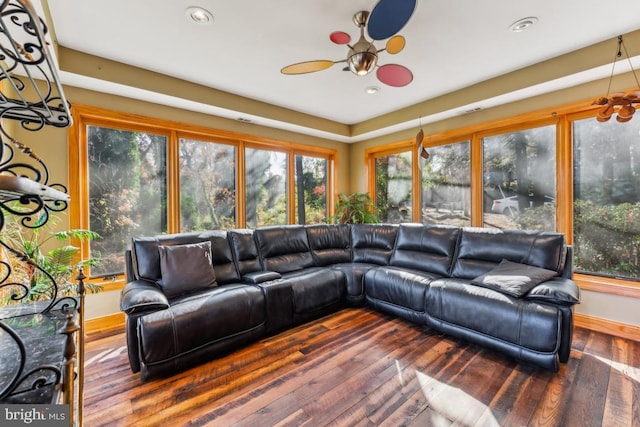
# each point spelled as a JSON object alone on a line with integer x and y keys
{"x": 620, "y": 103}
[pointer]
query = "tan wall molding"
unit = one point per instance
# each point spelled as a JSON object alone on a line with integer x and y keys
{"x": 610, "y": 327}
{"x": 98, "y": 324}
{"x": 608, "y": 285}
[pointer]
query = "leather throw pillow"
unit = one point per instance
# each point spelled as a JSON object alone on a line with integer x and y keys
{"x": 512, "y": 278}
{"x": 186, "y": 268}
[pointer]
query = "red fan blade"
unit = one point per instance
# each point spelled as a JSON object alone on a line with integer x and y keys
{"x": 394, "y": 75}
{"x": 340, "y": 37}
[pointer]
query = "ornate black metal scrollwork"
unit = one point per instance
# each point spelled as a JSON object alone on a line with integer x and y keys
{"x": 23, "y": 61}
{"x": 31, "y": 93}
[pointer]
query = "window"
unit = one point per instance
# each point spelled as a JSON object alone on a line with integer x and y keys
{"x": 446, "y": 187}
{"x": 311, "y": 190}
{"x": 519, "y": 179}
{"x": 207, "y": 185}
{"x": 266, "y": 187}
{"x": 393, "y": 187}
{"x": 127, "y": 191}
{"x": 606, "y": 193}
{"x": 138, "y": 176}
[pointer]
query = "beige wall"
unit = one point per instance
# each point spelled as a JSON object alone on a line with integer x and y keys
{"x": 51, "y": 145}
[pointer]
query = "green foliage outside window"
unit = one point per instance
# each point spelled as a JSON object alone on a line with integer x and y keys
{"x": 609, "y": 238}
{"x": 393, "y": 178}
{"x": 207, "y": 186}
{"x": 311, "y": 190}
{"x": 127, "y": 192}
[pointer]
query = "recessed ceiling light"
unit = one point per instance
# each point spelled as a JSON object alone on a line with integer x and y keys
{"x": 372, "y": 89}
{"x": 199, "y": 15}
{"x": 522, "y": 24}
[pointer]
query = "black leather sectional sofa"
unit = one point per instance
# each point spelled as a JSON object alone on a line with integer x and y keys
{"x": 192, "y": 296}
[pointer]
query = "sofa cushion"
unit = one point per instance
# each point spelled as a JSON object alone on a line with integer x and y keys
{"x": 425, "y": 247}
{"x": 186, "y": 268}
{"x": 146, "y": 257}
{"x": 315, "y": 288}
{"x": 398, "y": 286}
{"x": 284, "y": 248}
{"x": 481, "y": 249}
{"x": 459, "y": 304}
{"x": 558, "y": 290}
{"x": 200, "y": 319}
{"x": 513, "y": 278}
{"x": 245, "y": 251}
{"x": 373, "y": 243}
{"x": 329, "y": 243}
{"x": 354, "y": 280}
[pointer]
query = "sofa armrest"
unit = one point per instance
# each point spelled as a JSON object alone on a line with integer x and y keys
{"x": 142, "y": 295}
{"x": 256, "y": 277}
{"x": 558, "y": 290}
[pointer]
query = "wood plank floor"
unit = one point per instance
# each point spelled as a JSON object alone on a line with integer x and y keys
{"x": 362, "y": 368}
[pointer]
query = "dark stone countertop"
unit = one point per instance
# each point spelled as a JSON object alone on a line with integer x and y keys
{"x": 44, "y": 346}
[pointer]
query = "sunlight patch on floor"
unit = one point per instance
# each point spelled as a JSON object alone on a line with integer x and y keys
{"x": 455, "y": 404}
{"x": 629, "y": 371}
{"x": 105, "y": 355}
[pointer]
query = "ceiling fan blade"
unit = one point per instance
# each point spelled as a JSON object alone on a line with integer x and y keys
{"x": 340, "y": 37}
{"x": 395, "y": 44}
{"x": 388, "y": 17}
{"x": 307, "y": 67}
{"x": 394, "y": 75}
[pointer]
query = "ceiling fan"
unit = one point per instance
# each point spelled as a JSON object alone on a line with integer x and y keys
{"x": 385, "y": 20}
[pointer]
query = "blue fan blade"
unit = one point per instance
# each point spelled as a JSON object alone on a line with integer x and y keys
{"x": 388, "y": 17}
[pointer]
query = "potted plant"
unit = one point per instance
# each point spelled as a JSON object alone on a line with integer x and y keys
{"x": 355, "y": 208}
{"x": 51, "y": 251}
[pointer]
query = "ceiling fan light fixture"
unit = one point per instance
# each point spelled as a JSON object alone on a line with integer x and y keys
{"x": 362, "y": 57}
{"x": 362, "y": 63}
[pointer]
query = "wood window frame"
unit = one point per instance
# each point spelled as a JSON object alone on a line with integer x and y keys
{"x": 371, "y": 154}
{"x": 563, "y": 117}
{"x": 84, "y": 116}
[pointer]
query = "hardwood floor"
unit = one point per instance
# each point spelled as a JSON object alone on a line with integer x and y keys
{"x": 362, "y": 368}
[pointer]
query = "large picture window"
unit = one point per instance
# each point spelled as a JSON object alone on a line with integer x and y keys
{"x": 127, "y": 191}
{"x": 207, "y": 185}
{"x": 606, "y": 195}
{"x": 266, "y": 187}
{"x": 519, "y": 171}
{"x": 311, "y": 189}
{"x": 446, "y": 187}
{"x": 140, "y": 176}
{"x": 393, "y": 187}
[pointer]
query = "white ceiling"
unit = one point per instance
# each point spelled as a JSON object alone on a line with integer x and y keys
{"x": 450, "y": 45}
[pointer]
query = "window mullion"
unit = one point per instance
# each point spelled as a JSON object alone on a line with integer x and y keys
{"x": 173, "y": 183}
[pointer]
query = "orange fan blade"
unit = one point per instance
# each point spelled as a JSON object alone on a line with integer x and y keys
{"x": 307, "y": 67}
{"x": 395, "y": 44}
